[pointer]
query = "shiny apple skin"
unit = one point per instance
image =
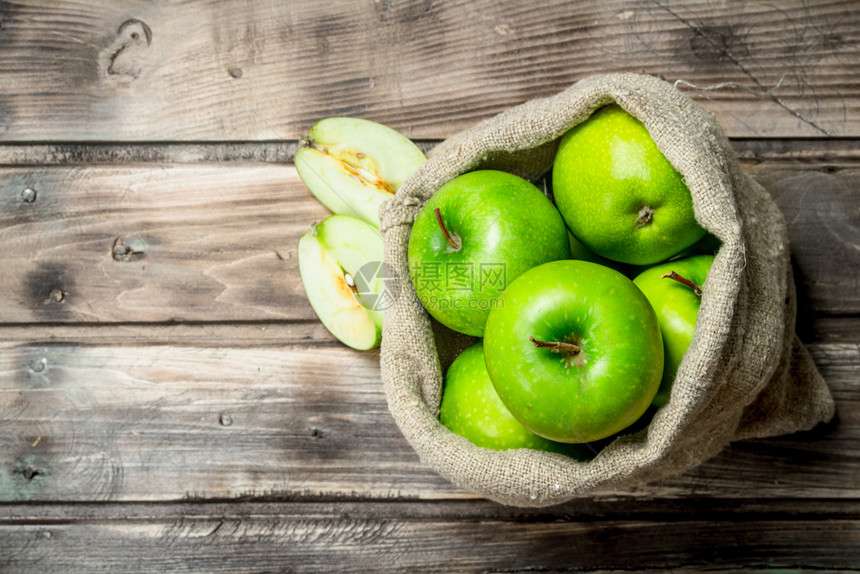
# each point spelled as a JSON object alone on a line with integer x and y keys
{"x": 677, "y": 309}
{"x": 505, "y": 226}
{"x": 607, "y": 171}
{"x": 595, "y": 393}
{"x": 472, "y": 409}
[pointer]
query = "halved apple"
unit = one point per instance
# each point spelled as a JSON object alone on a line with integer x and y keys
{"x": 340, "y": 263}
{"x": 354, "y": 165}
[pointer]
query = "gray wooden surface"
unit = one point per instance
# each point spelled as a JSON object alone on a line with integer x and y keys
{"x": 168, "y": 401}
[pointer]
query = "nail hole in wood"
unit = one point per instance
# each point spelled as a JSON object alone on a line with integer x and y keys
{"x": 30, "y": 473}
{"x": 38, "y": 366}
{"x": 55, "y": 296}
{"x": 28, "y": 195}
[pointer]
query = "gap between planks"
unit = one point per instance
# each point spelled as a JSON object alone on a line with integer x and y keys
{"x": 585, "y": 509}
{"x": 826, "y": 329}
{"x": 310, "y": 333}
{"x": 284, "y": 151}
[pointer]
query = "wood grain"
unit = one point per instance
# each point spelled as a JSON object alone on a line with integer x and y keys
{"x": 189, "y": 242}
{"x": 135, "y": 422}
{"x": 334, "y": 542}
{"x": 131, "y": 70}
{"x": 822, "y": 212}
{"x": 160, "y": 243}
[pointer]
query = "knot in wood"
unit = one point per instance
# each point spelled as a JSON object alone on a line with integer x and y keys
{"x": 126, "y": 55}
{"x": 124, "y": 252}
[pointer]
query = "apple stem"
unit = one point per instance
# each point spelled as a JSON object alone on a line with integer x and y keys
{"x": 672, "y": 275}
{"x": 556, "y": 346}
{"x": 646, "y": 214}
{"x": 455, "y": 244}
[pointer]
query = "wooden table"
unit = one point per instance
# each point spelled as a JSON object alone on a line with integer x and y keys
{"x": 168, "y": 400}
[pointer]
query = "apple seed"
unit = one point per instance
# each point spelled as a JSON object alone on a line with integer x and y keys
{"x": 350, "y": 282}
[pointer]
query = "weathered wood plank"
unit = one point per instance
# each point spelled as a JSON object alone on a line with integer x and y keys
{"x": 179, "y": 242}
{"x": 822, "y": 211}
{"x": 142, "y": 71}
{"x": 334, "y": 542}
{"x": 169, "y": 422}
{"x": 161, "y": 243}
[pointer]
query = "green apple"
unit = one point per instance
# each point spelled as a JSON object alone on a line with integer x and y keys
{"x": 472, "y": 409}
{"x": 574, "y": 351}
{"x": 353, "y": 165}
{"x": 707, "y": 245}
{"x": 674, "y": 290}
{"x": 341, "y": 270}
{"x": 477, "y": 233}
{"x": 618, "y": 194}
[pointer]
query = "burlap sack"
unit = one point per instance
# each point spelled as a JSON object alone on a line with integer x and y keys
{"x": 745, "y": 374}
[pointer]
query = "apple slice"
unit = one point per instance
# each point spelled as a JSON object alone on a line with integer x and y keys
{"x": 353, "y": 165}
{"x": 340, "y": 263}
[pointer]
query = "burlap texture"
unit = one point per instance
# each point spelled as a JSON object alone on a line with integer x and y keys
{"x": 745, "y": 374}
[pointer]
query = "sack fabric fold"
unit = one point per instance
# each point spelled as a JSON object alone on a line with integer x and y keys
{"x": 745, "y": 374}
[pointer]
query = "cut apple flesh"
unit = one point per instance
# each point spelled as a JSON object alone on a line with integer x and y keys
{"x": 330, "y": 256}
{"x": 361, "y": 167}
{"x": 353, "y": 165}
